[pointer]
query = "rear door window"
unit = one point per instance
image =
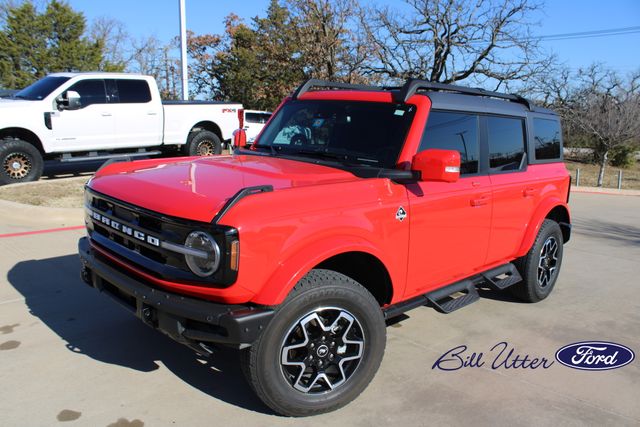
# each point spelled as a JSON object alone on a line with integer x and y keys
{"x": 454, "y": 131}
{"x": 547, "y": 135}
{"x": 506, "y": 143}
{"x": 133, "y": 91}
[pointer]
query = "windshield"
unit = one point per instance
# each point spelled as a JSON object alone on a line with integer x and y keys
{"x": 362, "y": 133}
{"x": 40, "y": 89}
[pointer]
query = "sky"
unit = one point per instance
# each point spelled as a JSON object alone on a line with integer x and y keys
{"x": 619, "y": 52}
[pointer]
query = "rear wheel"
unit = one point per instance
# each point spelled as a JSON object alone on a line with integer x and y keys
{"x": 321, "y": 349}
{"x": 19, "y": 162}
{"x": 203, "y": 143}
{"x": 540, "y": 267}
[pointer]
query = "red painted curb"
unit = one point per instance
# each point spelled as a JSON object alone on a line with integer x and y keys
{"x": 49, "y": 230}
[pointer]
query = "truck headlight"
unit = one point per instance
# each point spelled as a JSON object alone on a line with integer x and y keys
{"x": 200, "y": 265}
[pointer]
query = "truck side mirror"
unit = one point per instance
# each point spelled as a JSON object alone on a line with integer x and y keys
{"x": 437, "y": 165}
{"x": 239, "y": 138}
{"x": 70, "y": 100}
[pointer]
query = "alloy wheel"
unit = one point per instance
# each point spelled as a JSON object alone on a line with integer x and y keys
{"x": 322, "y": 350}
{"x": 17, "y": 165}
{"x": 205, "y": 148}
{"x": 548, "y": 261}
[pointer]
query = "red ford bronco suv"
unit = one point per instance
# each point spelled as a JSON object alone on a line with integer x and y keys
{"x": 354, "y": 205}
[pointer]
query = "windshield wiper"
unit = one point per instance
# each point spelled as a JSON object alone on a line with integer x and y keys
{"x": 345, "y": 155}
{"x": 271, "y": 148}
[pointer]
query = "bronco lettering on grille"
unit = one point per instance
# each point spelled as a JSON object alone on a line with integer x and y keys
{"x": 137, "y": 234}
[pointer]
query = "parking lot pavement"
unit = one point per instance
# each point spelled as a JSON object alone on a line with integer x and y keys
{"x": 69, "y": 355}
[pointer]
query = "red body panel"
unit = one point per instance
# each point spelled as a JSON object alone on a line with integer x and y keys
{"x": 452, "y": 229}
{"x": 196, "y": 188}
{"x": 449, "y": 235}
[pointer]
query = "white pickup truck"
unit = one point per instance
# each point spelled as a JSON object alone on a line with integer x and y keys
{"x": 92, "y": 116}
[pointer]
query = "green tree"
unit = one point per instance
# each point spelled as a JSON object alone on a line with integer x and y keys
{"x": 34, "y": 44}
{"x": 280, "y": 55}
{"x": 257, "y": 64}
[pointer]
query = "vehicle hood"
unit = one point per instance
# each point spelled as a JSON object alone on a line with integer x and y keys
{"x": 197, "y": 188}
{"x": 15, "y": 103}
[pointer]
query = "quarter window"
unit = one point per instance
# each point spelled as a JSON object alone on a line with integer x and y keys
{"x": 506, "y": 143}
{"x": 547, "y": 136}
{"x": 454, "y": 131}
{"x": 90, "y": 91}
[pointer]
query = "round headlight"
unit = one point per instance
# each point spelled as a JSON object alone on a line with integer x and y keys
{"x": 201, "y": 265}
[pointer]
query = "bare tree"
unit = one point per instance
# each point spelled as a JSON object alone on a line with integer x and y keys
{"x": 115, "y": 39}
{"x": 607, "y": 108}
{"x": 452, "y": 40}
{"x": 149, "y": 56}
{"x": 146, "y": 55}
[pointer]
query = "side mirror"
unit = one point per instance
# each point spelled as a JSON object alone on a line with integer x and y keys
{"x": 70, "y": 100}
{"x": 437, "y": 165}
{"x": 239, "y": 138}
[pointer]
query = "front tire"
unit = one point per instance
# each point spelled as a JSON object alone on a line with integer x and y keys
{"x": 203, "y": 143}
{"x": 19, "y": 162}
{"x": 320, "y": 350}
{"x": 541, "y": 266}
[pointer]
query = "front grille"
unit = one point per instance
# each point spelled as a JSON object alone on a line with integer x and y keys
{"x": 138, "y": 235}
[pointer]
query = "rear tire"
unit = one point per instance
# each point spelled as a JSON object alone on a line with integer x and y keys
{"x": 540, "y": 267}
{"x": 19, "y": 162}
{"x": 321, "y": 349}
{"x": 203, "y": 143}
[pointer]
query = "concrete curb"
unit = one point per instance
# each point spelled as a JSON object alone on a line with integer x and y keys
{"x": 47, "y": 181}
{"x": 601, "y": 190}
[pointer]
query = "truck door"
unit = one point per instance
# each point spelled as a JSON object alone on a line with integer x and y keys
{"x": 515, "y": 191}
{"x": 90, "y": 127}
{"x": 138, "y": 117}
{"x": 450, "y": 222}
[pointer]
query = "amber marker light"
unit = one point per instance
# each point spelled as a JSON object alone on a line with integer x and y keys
{"x": 235, "y": 255}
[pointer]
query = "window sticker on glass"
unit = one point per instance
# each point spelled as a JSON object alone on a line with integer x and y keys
{"x": 399, "y": 113}
{"x": 317, "y": 123}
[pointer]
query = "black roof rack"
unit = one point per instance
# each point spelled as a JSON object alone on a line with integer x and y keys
{"x": 304, "y": 87}
{"x": 412, "y": 86}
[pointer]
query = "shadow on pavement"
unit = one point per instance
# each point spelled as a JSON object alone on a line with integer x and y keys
{"x": 621, "y": 233}
{"x": 503, "y": 295}
{"x": 93, "y": 325}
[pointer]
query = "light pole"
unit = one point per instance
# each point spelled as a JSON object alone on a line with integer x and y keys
{"x": 183, "y": 51}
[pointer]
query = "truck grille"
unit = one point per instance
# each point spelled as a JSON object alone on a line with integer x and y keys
{"x": 135, "y": 235}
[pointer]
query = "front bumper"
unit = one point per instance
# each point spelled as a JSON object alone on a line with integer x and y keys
{"x": 187, "y": 320}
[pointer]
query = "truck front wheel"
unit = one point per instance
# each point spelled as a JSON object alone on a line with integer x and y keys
{"x": 19, "y": 162}
{"x": 320, "y": 350}
{"x": 203, "y": 143}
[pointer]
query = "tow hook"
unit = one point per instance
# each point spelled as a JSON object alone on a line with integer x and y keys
{"x": 85, "y": 275}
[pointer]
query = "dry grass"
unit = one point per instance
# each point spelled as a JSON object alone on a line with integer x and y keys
{"x": 58, "y": 193}
{"x": 589, "y": 175}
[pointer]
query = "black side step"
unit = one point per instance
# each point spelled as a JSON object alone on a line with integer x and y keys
{"x": 440, "y": 299}
{"x": 502, "y": 277}
{"x": 444, "y": 301}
